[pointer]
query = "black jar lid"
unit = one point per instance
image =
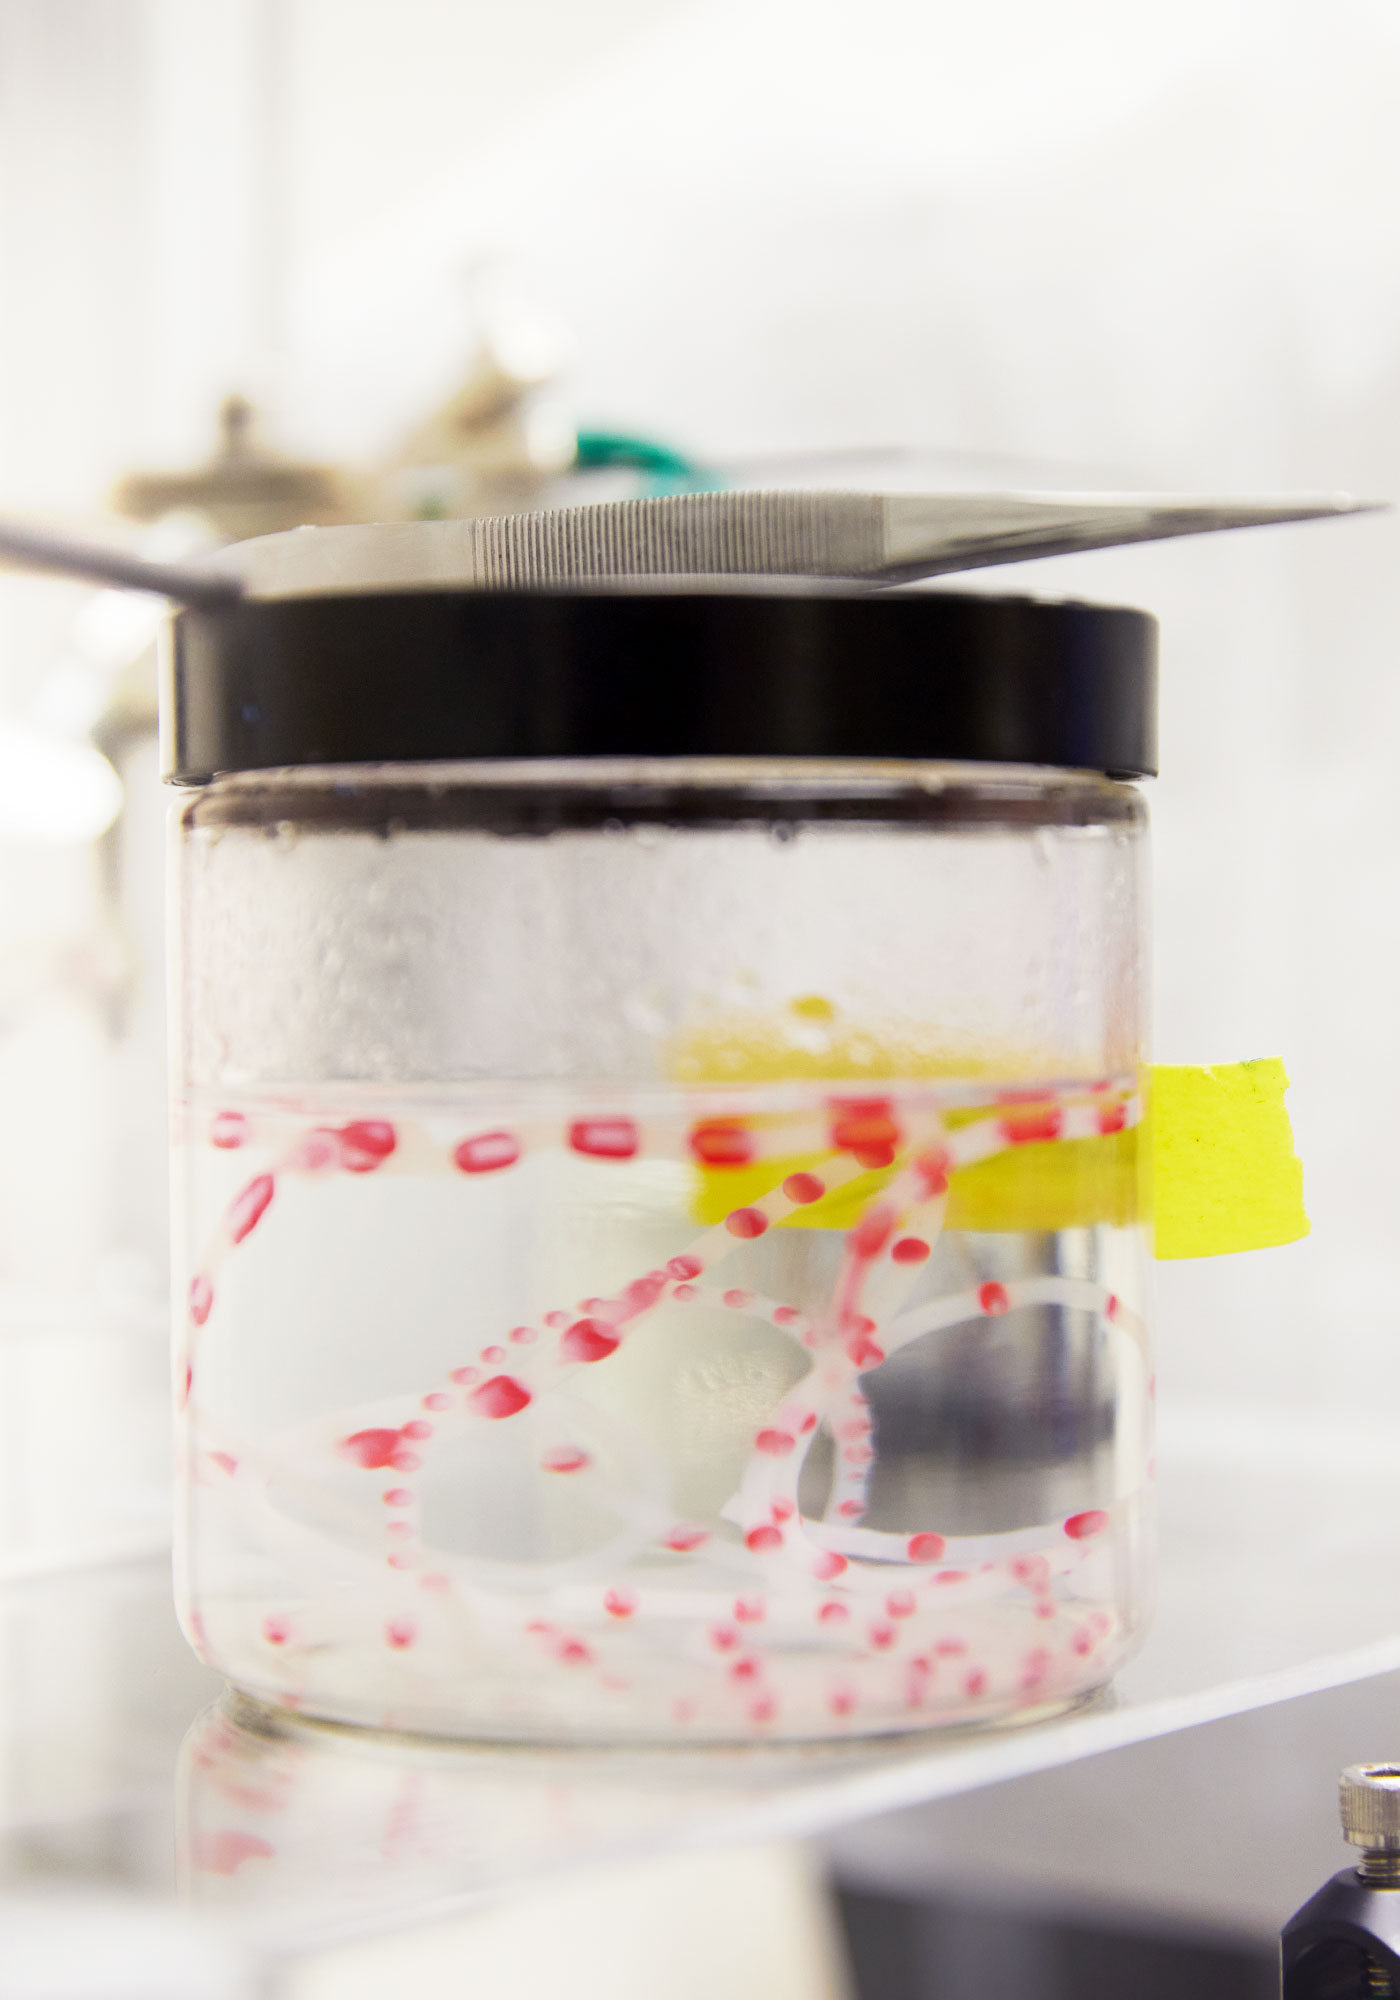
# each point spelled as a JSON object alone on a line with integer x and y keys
{"x": 420, "y": 675}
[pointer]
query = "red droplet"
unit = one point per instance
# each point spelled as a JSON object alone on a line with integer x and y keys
{"x": 418, "y": 1429}
{"x": 224, "y": 1461}
{"x": 370, "y": 1449}
{"x": 828, "y": 1564}
{"x": 1112, "y": 1118}
{"x": 809, "y": 1422}
{"x": 724, "y": 1638}
{"x": 588, "y": 1340}
{"x": 909, "y": 1250}
{"x": 882, "y": 1637}
{"x": 400, "y": 1632}
{"x": 224, "y": 1852}
{"x": 249, "y": 1207}
{"x": 397, "y": 1496}
{"x": 1035, "y": 1123}
{"x": 1082, "y": 1641}
{"x": 803, "y": 1188}
{"x": 736, "y": 1300}
{"x": 493, "y": 1354}
{"x": 366, "y": 1144}
{"x": 864, "y": 1126}
{"x": 764, "y": 1709}
{"x": 786, "y": 1316}
{"x": 850, "y": 1508}
{"x": 900, "y": 1604}
{"x": 841, "y": 1701}
{"x": 745, "y": 1670}
{"x": 951, "y": 1576}
{"x": 604, "y": 1138}
{"x": 832, "y": 1613}
{"x": 685, "y": 1293}
{"x": 466, "y": 1376}
{"x": 399, "y": 1561}
{"x": 438, "y": 1400}
{"x": 684, "y": 1267}
{"x": 782, "y": 1510}
{"x": 993, "y": 1298}
{"x": 720, "y": 1143}
{"x": 201, "y": 1299}
{"x": 565, "y": 1458}
{"x": 924, "y": 1548}
{"x": 1034, "y": 1570}
{"x": 1093, "y": 1521}
{"x": 1113, "y": 1305}
{"x": 763, "y": 1538}
{"x": 406, "y": 1461}
{"x": 398, "y": 1528}
{"x": 523, "y": 1336}
{"x": 556, "y": 1319}
{"x": 619, "y": 1603}
{"x": 500, "y": 1396}
{"x": 776, "y": 1443}
{"x": 975, "y": 1683}
{"x": 276, "y": 1631}
{"x": 933, "y": 1169}
{"x": 486, "y": 1153}
{"x": 746, "y": 1222}
{"x": 228, "y": 1130}
{"x": 317, "y": 1152}
{"x": 683, "y": 1538}
{"x": 750, "y": 1610}
{"x": 873, "y": 1232}
{"x": 182, "y": 1393}
{"x": 864, "y": 1353}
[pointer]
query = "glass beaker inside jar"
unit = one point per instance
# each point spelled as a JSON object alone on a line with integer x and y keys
{"x": 658, "y": 1092}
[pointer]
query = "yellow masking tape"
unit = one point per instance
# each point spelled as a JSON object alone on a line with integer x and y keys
{"x": 1213, "y": 1164}
{"x": 1224, "y": 1173}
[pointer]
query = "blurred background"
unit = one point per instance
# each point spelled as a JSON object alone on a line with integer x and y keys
{"x": 264, "y": 261}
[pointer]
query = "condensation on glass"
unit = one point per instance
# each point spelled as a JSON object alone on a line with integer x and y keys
{"x": 659, "y": 1247}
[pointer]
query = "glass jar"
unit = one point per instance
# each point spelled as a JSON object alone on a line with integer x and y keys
{"x": 659, "y": 1254}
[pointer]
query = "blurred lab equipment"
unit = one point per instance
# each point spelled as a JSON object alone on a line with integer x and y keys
{"x": 1344, "y": 1944}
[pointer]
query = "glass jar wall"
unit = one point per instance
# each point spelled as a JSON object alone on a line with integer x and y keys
{"x": 659, "y": 1254}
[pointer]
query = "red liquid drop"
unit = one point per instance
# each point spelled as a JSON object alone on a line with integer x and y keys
{"x": 487, "y": 1153}
{"x": 565, "y": 1458}
{"x": 909, "y": 1250}
{"x": 201, "y": 1299}
{"x": 228, "y": 1130}
{"x": 993, "y": 1298}
{"x": 250, "y": 1207}
{"x": 718, "y": 1143}
{"x": 924, "y": 1548}
{"x": 588, "y": 1340}
{"x": 366, "y": 1144}
{"x": 501, "y": 1396}
{"x": 370, "y": 1449}
{"x": 764, "y": 1538}
{"x": 1079, "y": 1527}
{"x": 803, "y": 1188}
{"x": 776, "y": 1443}
{"x": 746, "y": 1222}
{"x": 604, "y": 1138}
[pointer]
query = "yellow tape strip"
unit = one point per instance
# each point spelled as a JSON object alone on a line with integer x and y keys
{"x": 1213, "y": 1165}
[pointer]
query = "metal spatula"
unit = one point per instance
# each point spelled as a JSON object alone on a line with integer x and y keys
{"x": 872, "y": 538}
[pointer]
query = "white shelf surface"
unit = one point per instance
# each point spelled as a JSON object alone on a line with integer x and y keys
{"x": 1280, "y": 1576}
